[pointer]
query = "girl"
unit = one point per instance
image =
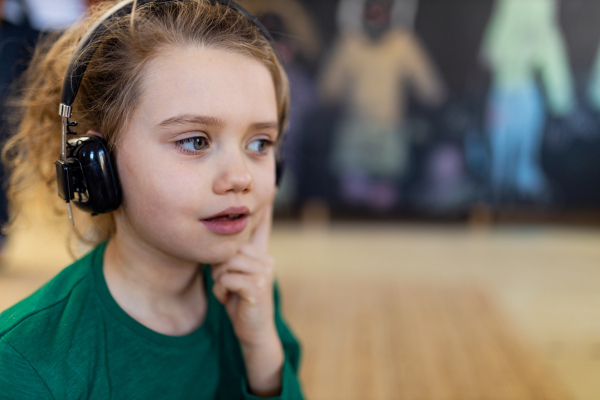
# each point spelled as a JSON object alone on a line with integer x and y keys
{"x": 192, "y": 100}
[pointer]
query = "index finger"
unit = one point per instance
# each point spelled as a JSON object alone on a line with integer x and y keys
{"x": 260, "y": 236}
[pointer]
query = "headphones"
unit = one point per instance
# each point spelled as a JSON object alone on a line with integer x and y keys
{"x": 85, "y": 172}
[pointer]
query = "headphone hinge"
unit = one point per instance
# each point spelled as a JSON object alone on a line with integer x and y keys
{"x": 64, "y": 110}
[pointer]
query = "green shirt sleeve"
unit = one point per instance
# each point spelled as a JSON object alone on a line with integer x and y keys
{"x": 18, "y": 379}
{"x": 290, "y": 387}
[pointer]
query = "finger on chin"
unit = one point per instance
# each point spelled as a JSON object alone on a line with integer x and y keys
{"x": 239, "y": 284}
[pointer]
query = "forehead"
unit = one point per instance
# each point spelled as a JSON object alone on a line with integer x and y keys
{"x": 209, "y": 81}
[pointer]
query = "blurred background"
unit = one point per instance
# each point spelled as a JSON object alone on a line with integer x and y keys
{"x": 437, "y": 226}
{"x": 439, "y": 109}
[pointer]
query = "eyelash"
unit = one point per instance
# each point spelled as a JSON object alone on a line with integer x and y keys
{"x": 267, "y": 143}
{"x": 192, "y": 140}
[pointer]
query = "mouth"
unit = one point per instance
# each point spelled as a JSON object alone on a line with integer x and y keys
{"x": 229, "y": 217}
{"x": 229, "y": 221}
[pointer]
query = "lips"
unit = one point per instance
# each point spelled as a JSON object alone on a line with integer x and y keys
{"x": 229, "y": 221}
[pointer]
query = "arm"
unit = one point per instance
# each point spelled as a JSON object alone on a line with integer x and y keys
{"x": 593, "y": 92}
{"x": 288, "y": 382}
{"x": 555, "y": 73}
{"x": 18, "y": 379}
{"x": 336, "y": 76}
{"x": 291, "y": 348}
{"x": 422, "y": 73}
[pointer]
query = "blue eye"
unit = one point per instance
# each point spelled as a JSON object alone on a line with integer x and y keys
{"x": 197, "y": 143}
{"x": 260, "y": 146}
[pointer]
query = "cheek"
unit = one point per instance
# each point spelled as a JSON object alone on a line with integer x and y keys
{"x": 164, "y": 189}
{"x": 264, "y": 183}
{"x": 268, "y": 193}
{"x": 145, "y": 184}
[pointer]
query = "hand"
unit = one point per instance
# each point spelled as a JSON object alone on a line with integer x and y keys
{"x": 244, "y": 285}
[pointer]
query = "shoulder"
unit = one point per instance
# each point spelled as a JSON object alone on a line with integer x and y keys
{"x": 37, "y": 331}
{"x": 34, "y": 317}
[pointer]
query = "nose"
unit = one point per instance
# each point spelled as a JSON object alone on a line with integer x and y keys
{"x": 234, "y": 176}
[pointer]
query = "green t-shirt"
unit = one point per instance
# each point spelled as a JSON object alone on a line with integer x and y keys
{"x": 71, "y": 340}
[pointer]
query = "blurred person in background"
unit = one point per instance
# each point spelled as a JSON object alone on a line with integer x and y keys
{"x": 376, "y": 60}
{"x": 524, "y": 48}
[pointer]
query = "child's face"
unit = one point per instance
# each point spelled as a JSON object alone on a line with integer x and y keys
{"x": 197, "y": 145}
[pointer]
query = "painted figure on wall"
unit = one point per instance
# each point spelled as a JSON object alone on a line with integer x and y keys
{"x": 373, "y": 66}
{"x": 523, "y": 45}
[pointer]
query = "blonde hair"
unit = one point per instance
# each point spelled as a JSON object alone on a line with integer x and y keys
{"x": 110, "y": 89}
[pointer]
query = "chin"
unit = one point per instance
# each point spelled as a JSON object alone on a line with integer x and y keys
{"x": 220, "y": 253}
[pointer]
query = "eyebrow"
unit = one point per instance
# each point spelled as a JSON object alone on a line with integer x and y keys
{"x": 265, "y": 125}
{"x": 192, "y": 119}
{"x": 212, "y": 121}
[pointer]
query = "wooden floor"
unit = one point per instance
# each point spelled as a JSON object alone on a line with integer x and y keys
{"x": 413, "y": 312}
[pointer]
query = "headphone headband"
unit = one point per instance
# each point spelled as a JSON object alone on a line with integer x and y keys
{"x": 84, "y": 51}
{"x": 88, "y": 45}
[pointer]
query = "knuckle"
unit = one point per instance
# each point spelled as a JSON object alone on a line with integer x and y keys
{"x": 257, "y": 282}
{"x": 261, "y": 283}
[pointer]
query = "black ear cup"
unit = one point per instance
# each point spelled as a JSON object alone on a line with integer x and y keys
{"x": 88, "y": 177}
{"x": 279, "y": 169}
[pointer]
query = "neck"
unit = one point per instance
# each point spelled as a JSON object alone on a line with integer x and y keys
{"x": 164, "y": 294}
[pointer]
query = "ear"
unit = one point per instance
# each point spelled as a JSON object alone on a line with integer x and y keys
{"x": 95, "y": 133}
